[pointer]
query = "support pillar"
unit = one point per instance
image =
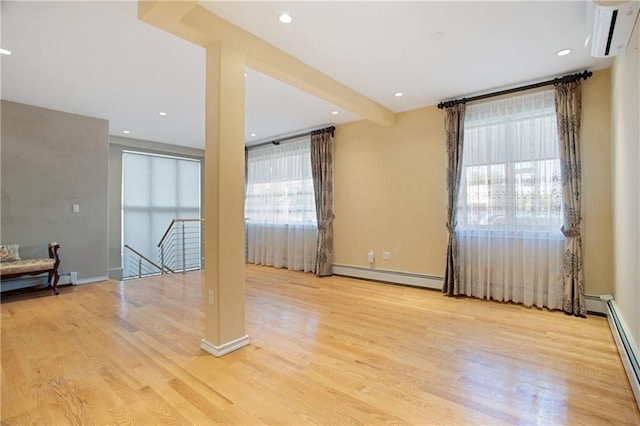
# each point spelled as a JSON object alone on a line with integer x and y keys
{"x": 224, "y": 273}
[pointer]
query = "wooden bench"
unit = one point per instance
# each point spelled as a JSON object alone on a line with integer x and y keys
{"x": 22, "y": 267}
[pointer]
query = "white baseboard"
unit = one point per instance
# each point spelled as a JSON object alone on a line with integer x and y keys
{"x": 224, "y": 349}
{"x": 595, "y": 305}
{"x": 33, "y": 281}
{"x": 627, "y": 347}
{"x": 395, "y": 277}
{"x": 593, "y": 302}
{"x": 91, "y": 280}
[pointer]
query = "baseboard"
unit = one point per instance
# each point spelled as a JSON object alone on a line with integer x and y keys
{"x": 224, "y": 349}
{"x": 595, "y": 305}
{"x": 91, "y": 280}
{"x": 593, "y": 302}
{"x": 33, "y": 281}
{"x": 395, "y": 277}
{"x": 626, "y": 345}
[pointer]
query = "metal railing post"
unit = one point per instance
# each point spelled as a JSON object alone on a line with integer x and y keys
{"x": 162, "y": 272}
{"x": 173, "y": 247}
{"x": 184, "y": 256}
{"x": 140, "y": 267}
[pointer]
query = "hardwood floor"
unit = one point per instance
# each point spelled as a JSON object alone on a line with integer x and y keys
{"x": 332, "y": 350}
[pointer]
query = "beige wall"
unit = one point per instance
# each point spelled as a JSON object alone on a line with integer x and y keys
{"x": 626, "y": 184}
{"x": 597, "y": 225}
{"x": 390, "y": 191}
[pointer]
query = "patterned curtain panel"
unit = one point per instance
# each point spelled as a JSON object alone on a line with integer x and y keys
{"x": 322, "y": 169}
{"x": 454, "y": 127}
{"x": 568, "y": 102}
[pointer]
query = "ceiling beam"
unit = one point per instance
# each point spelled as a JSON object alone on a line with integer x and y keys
{"x": 191, "y": 21}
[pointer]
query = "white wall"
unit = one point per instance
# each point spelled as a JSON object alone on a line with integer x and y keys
{"x": 626, "y": 184}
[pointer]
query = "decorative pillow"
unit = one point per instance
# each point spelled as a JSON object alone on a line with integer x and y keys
{"x": 9, "y": 252}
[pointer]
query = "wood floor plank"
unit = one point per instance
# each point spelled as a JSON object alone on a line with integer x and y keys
{"x": 323, "y": 351}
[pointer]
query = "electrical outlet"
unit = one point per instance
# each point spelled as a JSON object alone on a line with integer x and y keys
{"x": 75, "y": 208}
{"x": 386, "y": 255}
{"x": 211, "y": 297}
{"x": 370, "y": 256}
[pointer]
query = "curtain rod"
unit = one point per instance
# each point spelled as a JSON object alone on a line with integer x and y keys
{"x": 292, "y": 137}
{"x": 565, "y": 79}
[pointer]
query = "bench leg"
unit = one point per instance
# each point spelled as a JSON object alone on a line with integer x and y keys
{"x": 54, "y": 277}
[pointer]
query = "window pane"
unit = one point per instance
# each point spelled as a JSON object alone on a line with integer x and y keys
{"x": 155, "y": 190}
{"x": 511, "y": 167}
{"x": 280, "y": 185}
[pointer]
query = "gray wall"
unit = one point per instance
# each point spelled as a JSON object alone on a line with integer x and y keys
{"x": 51, "y": 160}
{"x": 116, "y": 146}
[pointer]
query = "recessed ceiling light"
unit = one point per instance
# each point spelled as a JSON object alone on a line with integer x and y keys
{"x": 5, "y": 51}
{"x": 126, "y": 132}
{"x": 162, "y": 113}
{"x": 335, "y": 112}
{"x": 245, "y": 74}
{"x": 253, "y": 135}
{"x": 398, "y": 94}
{"x": 564, "y": 52}
{"x": 285, "y": 18}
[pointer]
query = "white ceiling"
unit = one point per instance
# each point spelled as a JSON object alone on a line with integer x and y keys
{"x": 96, "y": 59}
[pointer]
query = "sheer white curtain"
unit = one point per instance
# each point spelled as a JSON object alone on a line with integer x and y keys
{"x": 510, "y": 202}
{"x": 280, "y": 211}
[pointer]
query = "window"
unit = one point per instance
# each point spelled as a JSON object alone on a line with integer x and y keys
{"x": 510, "y": 202}
{"x": 280, "y": 210}
{"x": 155, "y": 190}
{"x": 511, "y": 166}
{"x": 280, "y": 185}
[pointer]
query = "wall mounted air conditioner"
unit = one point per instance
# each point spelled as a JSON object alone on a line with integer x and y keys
{"x": 612, "y": 27}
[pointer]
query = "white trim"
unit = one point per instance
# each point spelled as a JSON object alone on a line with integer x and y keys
{"x": 225, "y": 348}
{"x": 595, "y": 304}
{"x": 627, "y": 347}
{"x": 65, "y": 279}
{"x": 396, "y": 277}
{"x": 91, "y": 280}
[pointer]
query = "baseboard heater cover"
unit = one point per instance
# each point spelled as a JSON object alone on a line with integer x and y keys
{"x": 593, "y": 302}
{"x": 40, "y": 280}
{"x": 595, "y": 305}
{"x": 626, "y": 346}
{"x": 395, "y": 277}
{"x": 92, "y": 280}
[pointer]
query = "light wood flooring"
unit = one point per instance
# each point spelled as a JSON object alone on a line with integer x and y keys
{"x": 323, "y": 351}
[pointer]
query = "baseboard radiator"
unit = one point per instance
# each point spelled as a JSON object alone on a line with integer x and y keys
{"x": 593, "y": 302}
{"x": 385, "y": 276}
{"x": 625, "y": 344}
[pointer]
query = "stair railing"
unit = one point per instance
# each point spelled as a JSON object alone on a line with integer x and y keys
{"x": 142, "y": 266}
{"x": 180, "y": 247}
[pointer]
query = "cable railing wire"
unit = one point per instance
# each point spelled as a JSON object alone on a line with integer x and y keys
{"x": 179, "y": 250}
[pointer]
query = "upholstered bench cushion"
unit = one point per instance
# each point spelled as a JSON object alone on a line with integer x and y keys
{"x": 25, "y": 266}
